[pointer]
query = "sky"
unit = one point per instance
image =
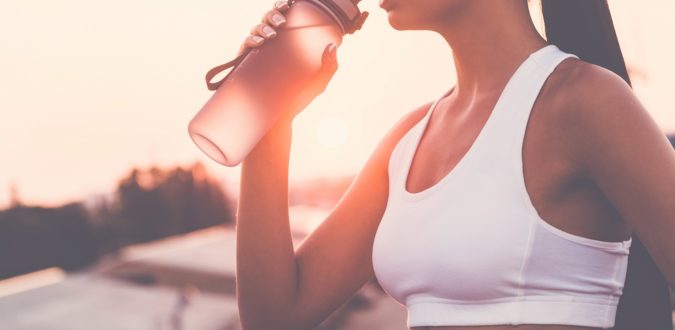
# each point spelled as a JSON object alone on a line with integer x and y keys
{"x": 90, "y": 89}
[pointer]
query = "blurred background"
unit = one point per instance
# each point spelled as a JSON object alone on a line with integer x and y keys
{"x": 111, "y": 218}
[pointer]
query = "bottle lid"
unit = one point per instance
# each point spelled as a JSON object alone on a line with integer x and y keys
{"x": 346, "y": 11}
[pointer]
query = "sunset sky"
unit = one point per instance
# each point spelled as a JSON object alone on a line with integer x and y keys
{"x": 89, "y": 89}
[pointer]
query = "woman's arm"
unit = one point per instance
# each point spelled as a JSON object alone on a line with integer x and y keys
{"x": 627, "y": 155}
{"x": 278, "y": 288}
{"x": 266, "y": 268}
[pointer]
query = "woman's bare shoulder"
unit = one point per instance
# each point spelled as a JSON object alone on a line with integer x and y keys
{"x": 597, "y": 108}
{"x": 579, "y": 91}
{"x": 579, "y": 85}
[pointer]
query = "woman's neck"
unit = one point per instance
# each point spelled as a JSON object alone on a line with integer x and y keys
{"x": 489, "y": 39}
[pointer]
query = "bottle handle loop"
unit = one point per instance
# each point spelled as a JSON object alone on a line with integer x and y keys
{"x": 212, "y": 86}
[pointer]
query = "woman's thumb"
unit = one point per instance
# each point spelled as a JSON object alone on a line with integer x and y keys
{"x": 329, "y": 55}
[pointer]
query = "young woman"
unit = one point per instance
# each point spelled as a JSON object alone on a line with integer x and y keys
{"x": 508, "y": 202}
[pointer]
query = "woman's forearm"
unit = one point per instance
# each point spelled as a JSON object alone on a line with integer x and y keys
{"x": 266, "y": 266}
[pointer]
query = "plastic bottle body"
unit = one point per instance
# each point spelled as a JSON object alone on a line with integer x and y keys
{"x": 262, "y": 86}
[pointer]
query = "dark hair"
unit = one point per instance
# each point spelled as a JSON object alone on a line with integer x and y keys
{"x": 585, "y": 28}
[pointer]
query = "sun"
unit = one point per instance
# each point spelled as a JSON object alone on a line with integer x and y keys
{"x": 332, "y": 132}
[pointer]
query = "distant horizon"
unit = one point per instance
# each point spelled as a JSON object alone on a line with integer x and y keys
{"x": 229, "y": 186}
{"x": 91, "y": 90}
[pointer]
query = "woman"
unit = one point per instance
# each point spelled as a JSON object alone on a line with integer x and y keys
{"x": 448, "y": 212}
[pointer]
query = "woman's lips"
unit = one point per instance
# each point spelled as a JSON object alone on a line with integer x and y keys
{"x": 386, "y": 4}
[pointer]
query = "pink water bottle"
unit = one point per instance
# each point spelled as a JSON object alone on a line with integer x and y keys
{"x": 265, "y": 79}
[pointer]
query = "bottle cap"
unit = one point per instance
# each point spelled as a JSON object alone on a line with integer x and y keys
{"x": 346, "y": 11}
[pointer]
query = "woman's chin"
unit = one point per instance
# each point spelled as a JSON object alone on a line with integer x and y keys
{"x": 396, "y": 22}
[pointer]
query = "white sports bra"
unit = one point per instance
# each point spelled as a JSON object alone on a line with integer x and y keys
{"x": 473, "y": 250}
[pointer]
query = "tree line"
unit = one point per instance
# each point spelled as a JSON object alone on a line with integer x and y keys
{"x": 148, "y": 204}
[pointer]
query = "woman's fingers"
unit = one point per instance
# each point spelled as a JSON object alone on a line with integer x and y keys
{"x": 274, "y": 18}
{"x": 281, "y": 5}
{"x": 251, "y": 42}
{"x": 329, "y": 66}
{"x": 264, "y": 31}
{"x": 329, "y": 56}
{"x": 259, "y": 33}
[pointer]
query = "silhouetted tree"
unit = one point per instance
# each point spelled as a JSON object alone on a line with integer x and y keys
{"x": 157, "y": 203}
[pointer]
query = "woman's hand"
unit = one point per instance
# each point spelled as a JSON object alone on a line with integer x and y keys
{"x": 266, "y": 30}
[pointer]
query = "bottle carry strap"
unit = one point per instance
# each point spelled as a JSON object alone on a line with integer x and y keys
{"x": 355, "y": 24}
{"x": 212, "y": 86}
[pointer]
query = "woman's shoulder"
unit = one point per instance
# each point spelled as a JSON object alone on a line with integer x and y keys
{"x": 581, "y": 92}
{"x": 580, "y": 86}
{"x": 597, "y": 109}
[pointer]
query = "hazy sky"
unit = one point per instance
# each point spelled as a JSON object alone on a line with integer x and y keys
{"x": 89, "y": 89}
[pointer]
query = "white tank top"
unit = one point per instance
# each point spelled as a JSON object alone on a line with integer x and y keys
{"x": 472, "y": 249}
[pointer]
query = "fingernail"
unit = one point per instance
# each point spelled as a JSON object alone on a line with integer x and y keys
{"x": 278, "y": 19}
{"x": 269, "y": 32}
{"x": 258, "y": 39}
{"x": 281, "y": 4}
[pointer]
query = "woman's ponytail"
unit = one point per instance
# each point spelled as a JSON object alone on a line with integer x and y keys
{"x": 585, "y": 28}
